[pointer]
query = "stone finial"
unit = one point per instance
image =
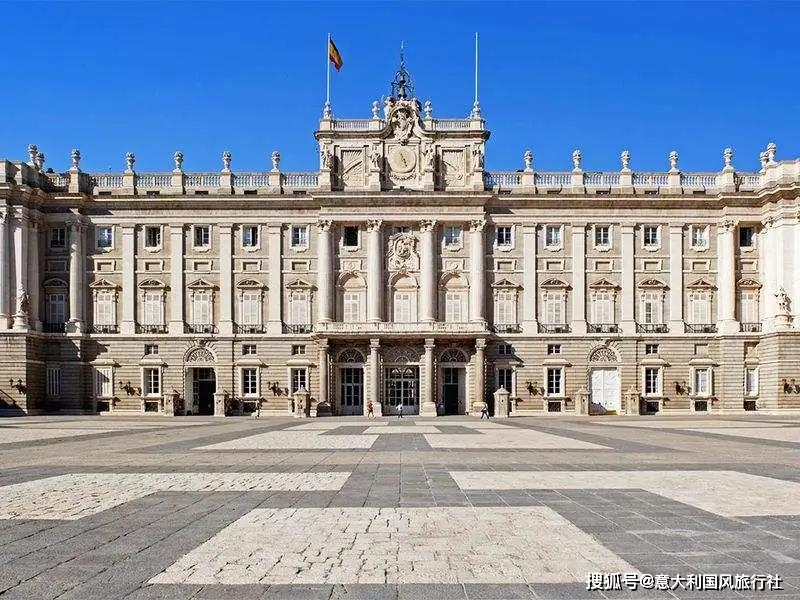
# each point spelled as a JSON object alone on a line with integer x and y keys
{"x": 727, "y": 157}
{"x": 226, "y": 161}
{"x": 764, "y": 158}
{"x": 327, "y": 113}
{"x": 476, "y": 110}
{"x": 33, "y": 150}
{"x": 276, "y": 160}
{"x": 178, "y": 157}
{"x": 478, "y": 158}
{"x": 39, "y": 161}
{"x": 376, "y": 110}
{"x": 673, "y": 161}
{"x": 577, "y": 157}
{"x": 75, "y": 155}
{"x": 625, "y": 157}
{"x": 527, "y": 158}
{"x": 428, "y": 109}
{"x": 130, "y": 158}
{"x": 772, "y": 149}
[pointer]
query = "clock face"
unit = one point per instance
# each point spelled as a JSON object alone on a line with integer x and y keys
{"x": 402, "y": 159}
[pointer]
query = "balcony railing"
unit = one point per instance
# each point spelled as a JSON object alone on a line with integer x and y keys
{"x": 104, "y": 329}
{"x": 550, "y": 328}
{"x": 750, "y": 327}
{"x": 651, "y": 328}
{"x": 150, "y": 328}
{"x": 242, "y": 328}
{"x": 701, "y": 328}
{"x": 506, "y": 328}
{"x": 54, "y": 327}
{"x": 410, "y": 328}
{"x": 602, "y": 328}
{"x": 199, "y": 328}
{"x": 301, "y": 328}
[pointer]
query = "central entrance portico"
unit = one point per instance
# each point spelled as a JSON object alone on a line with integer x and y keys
{"x": 401, "y": 387}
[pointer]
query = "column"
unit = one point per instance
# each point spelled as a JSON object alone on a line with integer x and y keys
{"x": 34, "y": 277}
{"x": 374, "y": 272}
{"x": 479, "y": 400}
{"x": 477, "y": 269}
{"x": 274, "y": 231}
{"x": 20, "y": 239}
{"x": 4, "y": 257}
{"x": 76, "y": 276}
{"x": 676, "y": 324}
{"x": 428, "y": 406}
{"x": 323, "y": 406}
{"x": 225, "y": 279}
{"x": 726, "y": 284}
{"x": 529, "y": 316}
{"x": 324, "y": 272}
{"x": 794, "y": 276}
{"x": 427, "y": 288}
{"x": 628, "y": 290}
{"x": 176, "y": 278}
{"x": 578, "y": 324}
{"x": 128, "y": 324}
{"x": 769, "y": 287}
{"x": 374, "y": 378}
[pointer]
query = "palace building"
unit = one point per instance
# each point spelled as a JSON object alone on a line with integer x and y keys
{"x": 401, "y": 272}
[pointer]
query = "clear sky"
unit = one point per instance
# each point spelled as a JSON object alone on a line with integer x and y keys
{"x": 153, "y": 78}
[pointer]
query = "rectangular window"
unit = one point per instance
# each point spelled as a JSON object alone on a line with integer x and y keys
{"x": 105, "y": 237}
{"x": 103, "y": 386}
{"x": 652, "y": 381}
{"x": 248, "y": 349}
{"x": 746, "y": 237}
{"x": 699, "y": 236}
{"x": 350, "y": 237}
{"x": 453, "y": 303}
{"x": 651, "y": 308}
{"x": 505, "y": 379}
{"x": 104, "y": 309}
{"x": 699, "y": 308}
{"x": 397, "y": 229}
{"x": 552, "y": 236}
{"x": 553, "y": 349}
{"x": 751, "y": 381}
{"x": 202, "y": 236}
{"x": 250, "y": 236}
{"x": 651, "y": 348}
{"x": 298, "y": 377}
{"x": 555, "y": 381}
{"x": 650, "y": 236}
{"x": 153, "y": 308}
{"x": 603, "y": 306}
{"x": 702, "y": 382}
{"x": 298, "y": 309}
{"x": 150, "y": 349}
{"x": 251, "y": 308}
{"x": 554, "y": 309}
{"x": 58, "y": 237}
{"x": 250, "y": 382}
{"x": 602, "y": 235}
{"x": 748, "y": 306}
{"x": 201, "y": 308}
{"x": 56, "y": 308}
{"x": 152, "y": 236}
{"x": 152, "y": 381}
{"x": 505, "y": 308}
{"x": 298, "y": 350}
{"x": 299, "y": 236}
{"x": 53, "y": 381}
{"x": 452, "y": 236}
{"x": 402, "y": 307}
{"x": 503, "y": 235}
{"x": 504, "y": 349}
{"x": 351, "y": 307}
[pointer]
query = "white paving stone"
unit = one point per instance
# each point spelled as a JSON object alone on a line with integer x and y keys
{"x": 329, "y": 425}
{"x": 705, "y": 423}
{"x": 295, "y": 440}
{"x": 780, "y": 434}
{"x": 10, "y": 435}
{"x": 726, "y": 493}
{"x": 77, "y": 495}
{"x": 103, "y": 425}
{"x": 395, "y": 546}
{"x": 527, "y": 439}
{"x": 403, "y": 429}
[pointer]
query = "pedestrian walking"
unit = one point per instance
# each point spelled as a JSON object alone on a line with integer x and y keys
{"x": 485, "y": 412}
{"x": 399, "y": 411}
{"x": 258, "y": 409}
{"x": 440, "y": 407}
{"x": 370, "y": 410}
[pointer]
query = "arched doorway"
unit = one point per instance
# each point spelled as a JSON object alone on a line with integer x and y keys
{"x": 200, "y": 380}
{"x": 350, "y": 380}
{"x": 401, "y": 380}
{"x": 605, "y": 394}
{"x": 453, "y": 378}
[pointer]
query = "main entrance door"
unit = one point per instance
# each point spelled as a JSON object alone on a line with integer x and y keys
{"x": 401, "y": 387}
{"x": 450, "y": 390}
{"x": 351, "y": 390}
{"x": 204, "y": 384}
{"x": 605, "y": 391}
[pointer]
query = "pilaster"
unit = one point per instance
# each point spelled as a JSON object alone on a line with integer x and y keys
{"x": 324, "y": 272}
{"x": 34, "y": 276}
{"x": 726, "y": 318}
{"x": 479, "y": 399}
{"x": 176, "y": 319}
{"x": 374, "y": 378}
{"x": 374, "y": 271}
{"x": 427, "y": 272}
{"x": 578, "y": 324}
{"x": 323, "y": 404}
{"x": 628, "y": 291}
{"x": 477, "y": 260}
{"x": 529, "y": 312}
{"x": 22, "y": 299}
{"x": 275, "y": 322}
{"x": 128, "y": 323}
{"x": 76, "y": 269}
{"x": 225, "y": 279}
{"x": 4, "y": 259}
{"x": 676, "y": 322}
{"x": 428, "y": 406}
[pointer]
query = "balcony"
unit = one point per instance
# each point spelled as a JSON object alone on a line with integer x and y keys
{"x": 409, "y": 328}
{"x": 104, "y": 329}
{"x": 551, "y": 328}
{"x": 750, "y": 327}
{"x": 298, "y": 328}
{"x": 701, "y": 328}
{"x": 150, "y": 328}
{"x": 241, "y": 328}
{"x": 651, "y": 328}
{"x": 506, "y": 328}
{"x": 54, "y": 327}
{"x": 602, "y": 328}
{"x": 199, "y": 328}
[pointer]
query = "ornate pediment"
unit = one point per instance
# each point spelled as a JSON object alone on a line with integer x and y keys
{"x": 748, "y": 283}
{"x": 701, "y": 284}
{"x": 505, "y": 283}
{"x": 554, "y": 283}
{"x": 250, "y": 284}
{"x": 54, "y": 282}
{"x": 103, "y": 284}
{"x": 152, "y": 283}
{"x": 403, "y": 253}
{"x": 201, "y": 284}
{"x": 652, "y": 283}
{"x": 299, "y": 284}
{"x": 604, "y": 283}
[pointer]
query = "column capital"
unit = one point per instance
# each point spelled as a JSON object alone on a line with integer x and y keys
{"x": 427, "y": 225}
{"x": 175, "y": 227}
{"x": 322, "y": 344}
{"x": 374, "y": 225}
{"x": 324, "y": 225}
{"x": 374, "y": 343}
{"x": 477, "y": 224}
{"x": 480, "y": 344}
{"x": 627, "y": 228}
{"x": 225, "y": 228}
{"x": 430, "y": 344}
{"x": 726, "y": 225}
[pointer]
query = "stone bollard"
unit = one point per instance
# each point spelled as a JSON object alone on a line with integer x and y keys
{"x": 582, "y": 401}
{"x": 301, "y": 403}
{"x": 501, "y": 403}
{"x": 169, "y": 405}
{"x": 219, "y": 404}
{"x": 632, "y": 401}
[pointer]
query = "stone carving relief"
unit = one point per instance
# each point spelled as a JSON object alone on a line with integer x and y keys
{"x": 401, "y": 354}
{"x": 403, "y": 253}
{"x": 350, "y": 355}
{"x": 199, "y": 355}
{"x": 453, "y": 355}
{"x": 402, "y": 161}
{"x": 453, "y": 167}
{"x": 402, "y": 121}
{"x": 353, "y": 167}
{"x": 603, "y": 354}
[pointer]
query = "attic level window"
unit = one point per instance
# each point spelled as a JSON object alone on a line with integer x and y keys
{"x": 104, "y": 193}
{"x": 746, "y": 235}
{"x": 58, "y": 237}
{"x": 350, "y": 237}
{"x": 250, "y": 192}
{"x": 152, "y": 193}
{"x": 201, "y": 192}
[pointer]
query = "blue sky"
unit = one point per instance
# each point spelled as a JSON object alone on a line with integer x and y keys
{"x": 158, "y": 77}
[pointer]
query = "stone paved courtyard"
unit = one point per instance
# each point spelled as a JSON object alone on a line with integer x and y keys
{"x": 418, "y": 508}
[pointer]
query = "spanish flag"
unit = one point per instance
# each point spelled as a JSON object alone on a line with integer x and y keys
{"x": 333, "y": 54}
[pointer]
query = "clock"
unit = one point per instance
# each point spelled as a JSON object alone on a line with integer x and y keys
{"x": 402, "y": 159}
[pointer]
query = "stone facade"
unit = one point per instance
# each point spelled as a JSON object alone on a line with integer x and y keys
{"x": 401, "y": 272}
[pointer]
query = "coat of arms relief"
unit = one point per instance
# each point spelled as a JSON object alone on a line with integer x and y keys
{"x": 403, "y": 253}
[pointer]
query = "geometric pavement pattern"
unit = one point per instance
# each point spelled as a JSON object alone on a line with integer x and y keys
{"x": 389, "y": 508}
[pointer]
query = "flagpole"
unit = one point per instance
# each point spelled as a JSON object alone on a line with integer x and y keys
{"x": 476, "y": 110}
{"x": 328, "y": 71}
